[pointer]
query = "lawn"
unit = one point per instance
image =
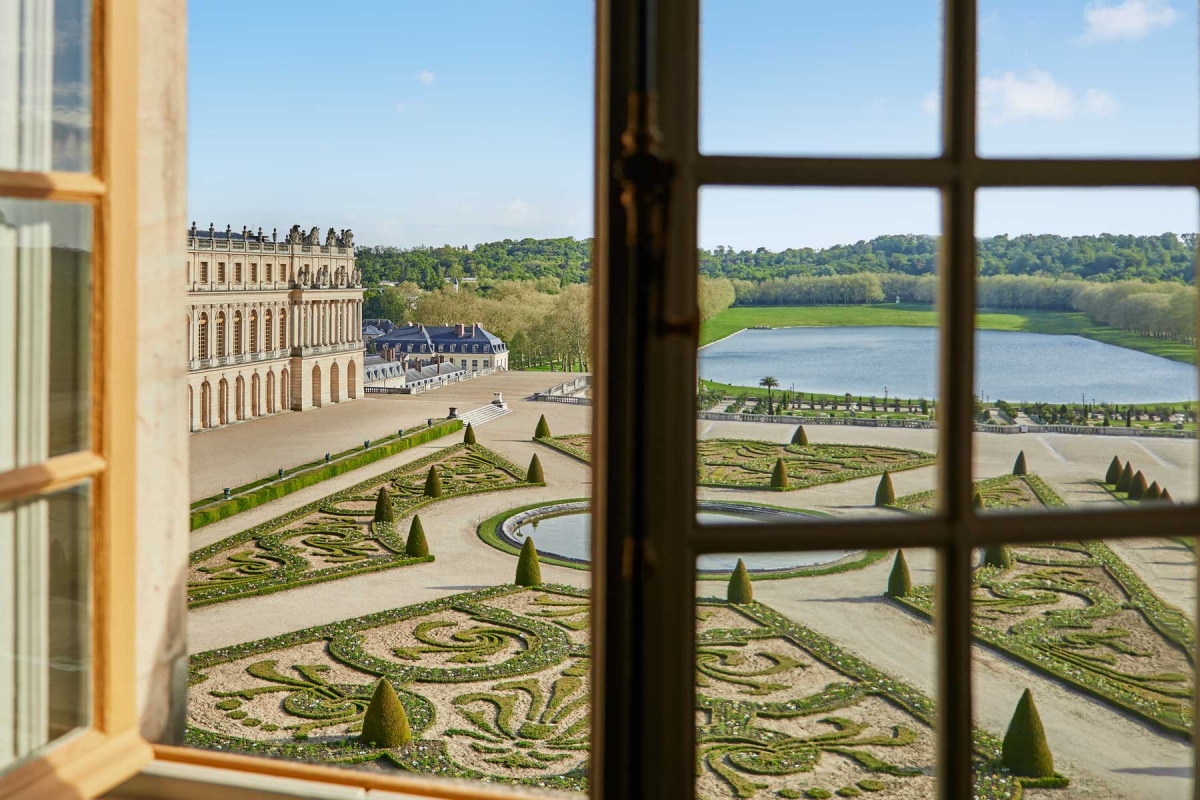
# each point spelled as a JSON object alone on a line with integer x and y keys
{"x": 911, "y": 315}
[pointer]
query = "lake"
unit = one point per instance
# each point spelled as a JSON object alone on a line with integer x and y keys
{"x": 1010, "y": 366}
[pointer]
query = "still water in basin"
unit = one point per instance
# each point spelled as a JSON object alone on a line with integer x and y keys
{"x": 1010, "y": 366}
{"x": 569, "y": 536}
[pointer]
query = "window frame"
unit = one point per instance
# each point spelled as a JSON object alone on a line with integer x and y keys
{"x": 93, "y": 760}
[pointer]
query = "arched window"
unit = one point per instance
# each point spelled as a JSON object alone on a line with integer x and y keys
{"x": 237, "y": 333}
{"x": 267, "y": 340}
{"x": 221, "y": 334}
{"x": 202, "y": 336}
{"x": 253, "y": 331}
{"x": 282, "y": 330}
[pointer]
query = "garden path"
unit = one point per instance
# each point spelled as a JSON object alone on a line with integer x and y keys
{"x": 1168, "y": 567}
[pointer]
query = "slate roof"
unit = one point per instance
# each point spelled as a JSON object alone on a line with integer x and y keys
{"x": 430, "y": 336}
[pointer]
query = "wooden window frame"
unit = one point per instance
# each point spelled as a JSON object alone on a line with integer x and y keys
{"x": 94, "y": 759}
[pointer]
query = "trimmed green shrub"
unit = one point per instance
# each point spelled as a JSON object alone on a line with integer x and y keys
{"x": 385, "y": 724}
{"x": 534, "y": 474}
{"x": 800, "y": 437}
{"x": 997, "y": 555}
{"x": 469, "y": 435}
{"x": 1019, "y": 467}
{"x": 416, "y": 545}
{"x": 871, "y": 785}
{"x": 790, "y": 794}
{"x": 1137, "y": 487}
{"x": 1152, "y": 493}
{"x": 977, "y": 501}
{"x": 1126, "y": 478}
{"x": 383, "y": 506}
{"x": 818, "y": 793}
{"x": 529, "y": 571}
{"x": 849, "y": 791}
{"x": 779, "y": 476}
{"x": 543, "y": 428}
{"x": 1025, "y": 752}
{"x": 433, "y": 483}
{"x": 741, "y": 591}
{"x": 885, "y": 494}
{"x": 1165, "y": 497}
{"x": 899, "y": 582}
{"x": 1114, "y": 471}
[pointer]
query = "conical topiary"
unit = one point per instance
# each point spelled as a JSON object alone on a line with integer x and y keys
{"x": 1152, "y": 493}
{"x": 1019, "y": 467}
{"x": 543, "y": 429}
{"x": 1025, "y": 752}
{"x": 1137, "y": 486}
{"x": 385, "y": 724}
{"x": 534, "y": 474}
{"x": 529, "y": 571}
{"x": 469, "y": 435}
{"x": 899, "y": 583}
{"x": 997, "y": 555}
{"x": 383, "y": 506}
{"x": 433, "y": 483}
{"x": 800, "y": 437}
{"x": 1165, "y": 497}
{"x": 416, "y": 546}
{"x": 1126, "y": 478}
{"x": 1114, "y": 472}
{"x": 885, "y": 494}
{"x": 741, "y": 590}
{"x": 779, "y": 476}
{"x": 977, "y": 502}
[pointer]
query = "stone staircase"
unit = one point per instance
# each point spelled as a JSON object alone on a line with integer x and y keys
{"x": 483, "y": 415}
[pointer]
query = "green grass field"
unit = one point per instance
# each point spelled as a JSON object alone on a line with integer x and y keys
{"x": 918, "y": 316}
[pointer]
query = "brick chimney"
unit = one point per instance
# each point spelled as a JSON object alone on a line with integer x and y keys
{"x": 458, "y": 330}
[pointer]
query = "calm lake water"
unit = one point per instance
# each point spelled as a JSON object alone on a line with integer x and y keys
{"x": 570, "y": 536}
{"x": 1009, "y": 366}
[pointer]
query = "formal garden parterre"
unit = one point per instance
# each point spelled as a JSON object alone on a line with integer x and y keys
{"x": 340, "y": 535}
{"x": 494, "y": 685}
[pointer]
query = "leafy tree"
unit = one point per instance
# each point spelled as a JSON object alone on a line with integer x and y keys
{"x": 885, "y": 494}
{"x": 433, "y": 483}
{"x": 1152, "y": 493}
{"x": 543, "y": 428}
{"x": 1025, "y": 752}
{"x": 534, "y": 474}
{"x": 1114, "y": 471}
{"x": 469, "y": 435}
{"x": 1137, "y": 487}
{"x": 800, "y": 437}
{"x": 416, "y": 546}
{"x": 1126, "y": 478}
{"x": 899, "y": 582}
{"x": 779, "y": 476}
{"x": 385, "y": 724}
{"x": 1019, "y": 467}
{"x": 529, "y": 570}
{"x": 383, "y": 506}
{"x": 741, "y": 590}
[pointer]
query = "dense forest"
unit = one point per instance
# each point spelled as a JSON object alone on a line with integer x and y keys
{"x": 1106, "y": 258}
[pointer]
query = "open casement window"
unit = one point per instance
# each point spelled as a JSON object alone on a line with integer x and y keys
{"x": 68, "y": 86}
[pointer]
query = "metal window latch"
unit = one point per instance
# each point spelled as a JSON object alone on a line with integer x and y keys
{"x": 646, "y": 176}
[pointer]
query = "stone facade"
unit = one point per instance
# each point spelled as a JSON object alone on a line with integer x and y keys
{"x": 273, "y": 325}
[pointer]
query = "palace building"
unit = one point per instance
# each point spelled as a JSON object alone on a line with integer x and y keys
{"x": 272, "y": 325}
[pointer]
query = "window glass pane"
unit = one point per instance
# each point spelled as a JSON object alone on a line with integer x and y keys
{"x": 348, "y": 526}
{"x": 1084, "y": 664}
{"x": 45, "y": 640}
{"x": 782, "y": 77}
{"x": 45, "y": 336}
{"x": 46, "y": 85}
{"x": 818, "y": 358}
{"x": 1085, "y": 348}
{"x": 1108, "y": 77}
{"x": 815, "y": 686}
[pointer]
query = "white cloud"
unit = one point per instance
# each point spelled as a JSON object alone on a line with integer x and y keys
{"x": 1132, "y": 19}
{"x": 1037, "y": 95}
{"x": 425, "y": 77}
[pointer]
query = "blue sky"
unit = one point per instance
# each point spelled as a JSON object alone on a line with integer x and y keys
{"x": 462, "y": 122}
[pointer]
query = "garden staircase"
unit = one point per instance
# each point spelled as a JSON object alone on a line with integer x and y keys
{"x": 483, "y": 414}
